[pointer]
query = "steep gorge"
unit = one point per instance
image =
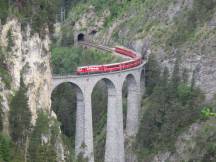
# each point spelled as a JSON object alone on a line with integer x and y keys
{"x": 169, "y": 29}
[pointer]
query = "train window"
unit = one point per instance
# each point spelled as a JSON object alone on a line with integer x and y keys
{"x": 81, "y": 37}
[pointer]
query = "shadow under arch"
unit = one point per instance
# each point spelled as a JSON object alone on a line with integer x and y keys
{"x": 142, "y": 82}
{"x": 130, "y": 92}
{"x": 68, "y": 103}
{"x": 103, "y": 99}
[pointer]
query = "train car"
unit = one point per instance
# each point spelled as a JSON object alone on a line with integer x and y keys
{"x": 89, "y": 69}
{"x": 109, "y": 67}
{"x": 125, "y": 52}
{"x": 112, "y": 67}
{"x": 93, "y": 69}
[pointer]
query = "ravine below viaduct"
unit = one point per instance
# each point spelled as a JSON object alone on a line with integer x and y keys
{"x": 115, "y": 135}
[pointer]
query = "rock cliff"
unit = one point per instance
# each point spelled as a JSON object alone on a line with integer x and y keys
{"x": 28, "y": 59}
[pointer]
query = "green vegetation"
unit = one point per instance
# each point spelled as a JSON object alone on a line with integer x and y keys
{"x": 38, "y": 13}
{"x": 99, "y": 110}
{"x": 65, "y": 60}
{"x": 151, "y": 75}
{"x": 4, "y": 73}
{"x": 3, "y": 10}
{"x": 188, "y": 21}
{"x": 40, "y": 150}
{"x": 172, "y": 106}
{"x": 1, "y": 115}
{"x": 172, "y": 102}
{"x": 64, "y": 105}
{"x": 117, "y": 9}
{"x": 20, "y": 116}
{"x": 206, "y": 141}
{"x": 207, "y": 112}
{"x": 9, "y": 151}
{"x": 5, "y": 148}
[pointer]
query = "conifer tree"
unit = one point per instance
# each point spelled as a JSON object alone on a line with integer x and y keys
{"x": 152, "y": 72}
{"x": 39, "y": 151}
{"x": 5, "y": 148}
{"x": 19, "y": 116}
{"x": 185, "y": 76}
{"x": 193, "y": 81}
{"x": 176, "y": 78}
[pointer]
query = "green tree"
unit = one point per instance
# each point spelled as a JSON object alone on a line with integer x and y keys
{"x": 171, "y": 107}
{"x": 38, "y": 13}
{"x": 5, "y": 148}
{"x": 64, "y": 105}
{"x": 3, "y": 10}
{"x": 19, "y": 116}
{"x": 176, "y": 77}
{"x": 184, "y": 93}
{"x": 4, "y": 72}
{"x": 38, "y": 151}
{"x": 99, "y": 110}
{"x": 185, "y": 76}
{"x": 152, "y": 72}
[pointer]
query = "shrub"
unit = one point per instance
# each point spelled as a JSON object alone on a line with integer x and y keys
{"x": 184, "y": 93}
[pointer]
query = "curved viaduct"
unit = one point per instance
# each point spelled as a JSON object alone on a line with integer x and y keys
{"x": 115, "y": 135}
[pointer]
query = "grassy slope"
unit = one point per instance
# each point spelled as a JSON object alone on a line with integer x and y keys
{"x": 65, "y": 60}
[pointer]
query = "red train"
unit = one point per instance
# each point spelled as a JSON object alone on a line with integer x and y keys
{"x": 125, "y": 52}
{"x": 136, "y": 60}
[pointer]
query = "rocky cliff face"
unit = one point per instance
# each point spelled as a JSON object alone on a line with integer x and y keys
{"x": 28, "y": 59}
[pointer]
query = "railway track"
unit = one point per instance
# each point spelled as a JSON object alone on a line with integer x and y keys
{"x": 101, "y": 47}
{"x": 135, "y": 60}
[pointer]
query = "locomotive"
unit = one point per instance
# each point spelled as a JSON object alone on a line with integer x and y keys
{"x": 93, "y": 69}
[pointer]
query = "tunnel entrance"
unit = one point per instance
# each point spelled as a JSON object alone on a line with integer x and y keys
{"x": 81, "y": 37}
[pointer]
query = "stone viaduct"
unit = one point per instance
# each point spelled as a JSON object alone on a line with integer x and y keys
{"x": 115, "y": 135}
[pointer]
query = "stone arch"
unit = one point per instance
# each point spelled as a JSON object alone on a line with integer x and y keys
{"x": 131, "y": 81}
{"x": 113, "y": 145}
{"x": 81, "y": 37}
{"x": 133, "y": 102}
{"x": 79, "y": 115}
{"x": 109, "y": 84}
